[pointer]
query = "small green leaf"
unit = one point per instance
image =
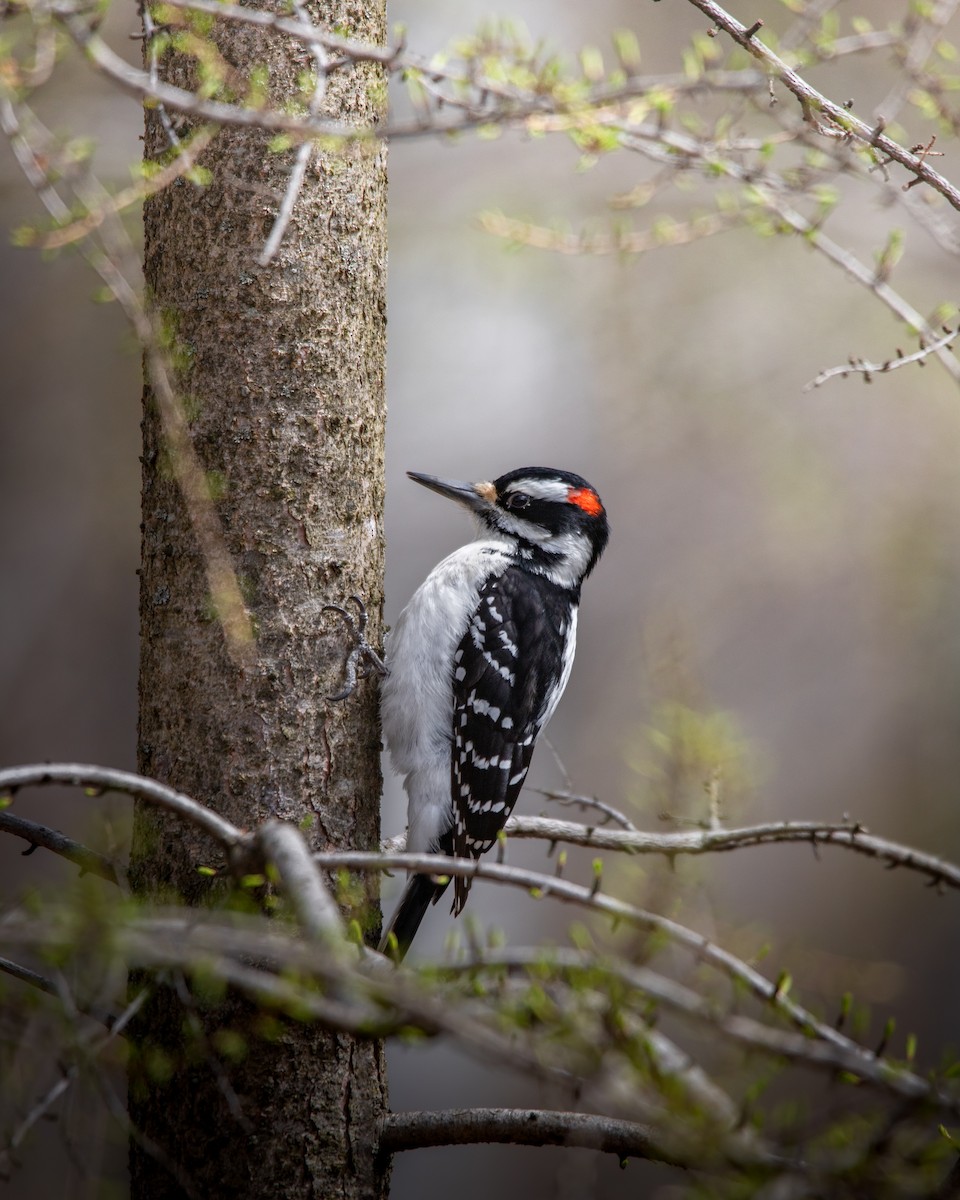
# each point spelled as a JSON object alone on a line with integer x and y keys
{"x": 591, "y": 61}
{"x": 24, "y": 235}
{"x": 628, "y": 48}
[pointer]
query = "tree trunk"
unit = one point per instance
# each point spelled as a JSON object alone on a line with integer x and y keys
{"x": 281, "y": 373}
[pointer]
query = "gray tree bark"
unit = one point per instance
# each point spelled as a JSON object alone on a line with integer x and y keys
{"x": 281, "y": 370}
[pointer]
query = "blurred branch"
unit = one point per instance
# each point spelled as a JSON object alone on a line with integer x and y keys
{"x": 88, "y": 1048}
{"x": 599, "y": 111}
{"x": 591, "y": 898}
{"x": 281, "y": 972}
{"x": 768, "y": 191}
{"x": 620, "y": 241}
{"x": 36, "y": 152}
{"x": 319, "y": 917}
{"x": 89, "y": 861}
{"x": 96, "y": 1012}
{"x": 180, "y": 165}
{"x": 921, "y": 30}
{"x": 883, "y": 1074}
{"x": 283, "y": 845}
{"x": 299, "y": 169}
{"x": 145, "y": 86}
{"x": 309, "y": 984}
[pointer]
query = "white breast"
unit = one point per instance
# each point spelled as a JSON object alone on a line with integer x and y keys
{"x": 417, "y": 695}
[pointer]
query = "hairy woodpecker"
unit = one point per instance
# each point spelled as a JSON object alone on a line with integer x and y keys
{"x": 477, "y": 663}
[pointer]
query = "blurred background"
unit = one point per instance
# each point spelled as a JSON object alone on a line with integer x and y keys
{"x": 780, "y": 589}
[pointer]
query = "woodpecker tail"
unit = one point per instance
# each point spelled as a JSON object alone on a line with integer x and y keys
{"x": 418, "y": 895}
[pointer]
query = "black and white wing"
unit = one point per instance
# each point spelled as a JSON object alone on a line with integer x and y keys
{"x": 510, "y": 670}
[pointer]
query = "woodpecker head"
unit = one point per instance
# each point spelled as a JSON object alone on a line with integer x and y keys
{"x": 554, "y": 517}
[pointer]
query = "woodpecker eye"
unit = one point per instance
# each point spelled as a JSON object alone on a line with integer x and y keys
{"x": 517, "y": 500}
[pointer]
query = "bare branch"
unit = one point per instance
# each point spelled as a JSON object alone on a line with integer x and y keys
{"x": 107, "y": 779}
{"x": 864, "y": 275}
{"x": 849, "y": 835}
{"x": 140, "y": 84}
{"x": 191, "y": 478}
{"x": 89, "y": 861}
{"x": 96, "y": 1012}
{"x": 815, "y": 105}
{"x": 752, "y": 1034}
{"x": 184, "y": 161}
{"x": 606, "y": 811}
{"x": 465, "y": 94}
{"x": 299, "y": 170}
{"x": 522, "y": 1127}
{"x": 318, "y": 915}
{"x": 302, "y": 30}
{"x": 46, "y": 1102}
{"x": 669, "y": 146}
{"x": 541, "y": 886}
{"x": 858, "y": 366}
{"x": 25, "y": 975}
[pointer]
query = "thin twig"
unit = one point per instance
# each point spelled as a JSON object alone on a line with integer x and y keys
{"x": 89, "y": 861}
{"x": 299, "y": 169}
{"x": 858, "y": 366}
{"x": 46, "y": 1102}
{"x": 928, "y": 28}
{"x": 149, "y": 32}
{"x": 607, "y": 811}
{"x": 815, "y": 105}
{"x": 864, "y": 275}
{"x": 185, "y": 161}
{"x": 102, "y": 779}
{"x": 847, "y": 835}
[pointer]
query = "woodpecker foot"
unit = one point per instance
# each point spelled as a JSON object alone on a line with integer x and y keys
{"x": 362, "y": 659}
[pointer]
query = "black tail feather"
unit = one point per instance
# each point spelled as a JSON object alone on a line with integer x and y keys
{"x": 418, "y": 895}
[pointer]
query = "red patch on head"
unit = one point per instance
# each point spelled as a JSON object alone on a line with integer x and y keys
{"x": 587, "y": 499}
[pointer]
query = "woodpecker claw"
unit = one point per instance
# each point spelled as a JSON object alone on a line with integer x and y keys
{"x": 362, "y": 658}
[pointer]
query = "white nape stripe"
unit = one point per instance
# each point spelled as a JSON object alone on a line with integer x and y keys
{"x": 572, "y": 551}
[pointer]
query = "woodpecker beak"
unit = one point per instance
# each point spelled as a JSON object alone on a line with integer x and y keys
{"x": 478, "y": 497}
